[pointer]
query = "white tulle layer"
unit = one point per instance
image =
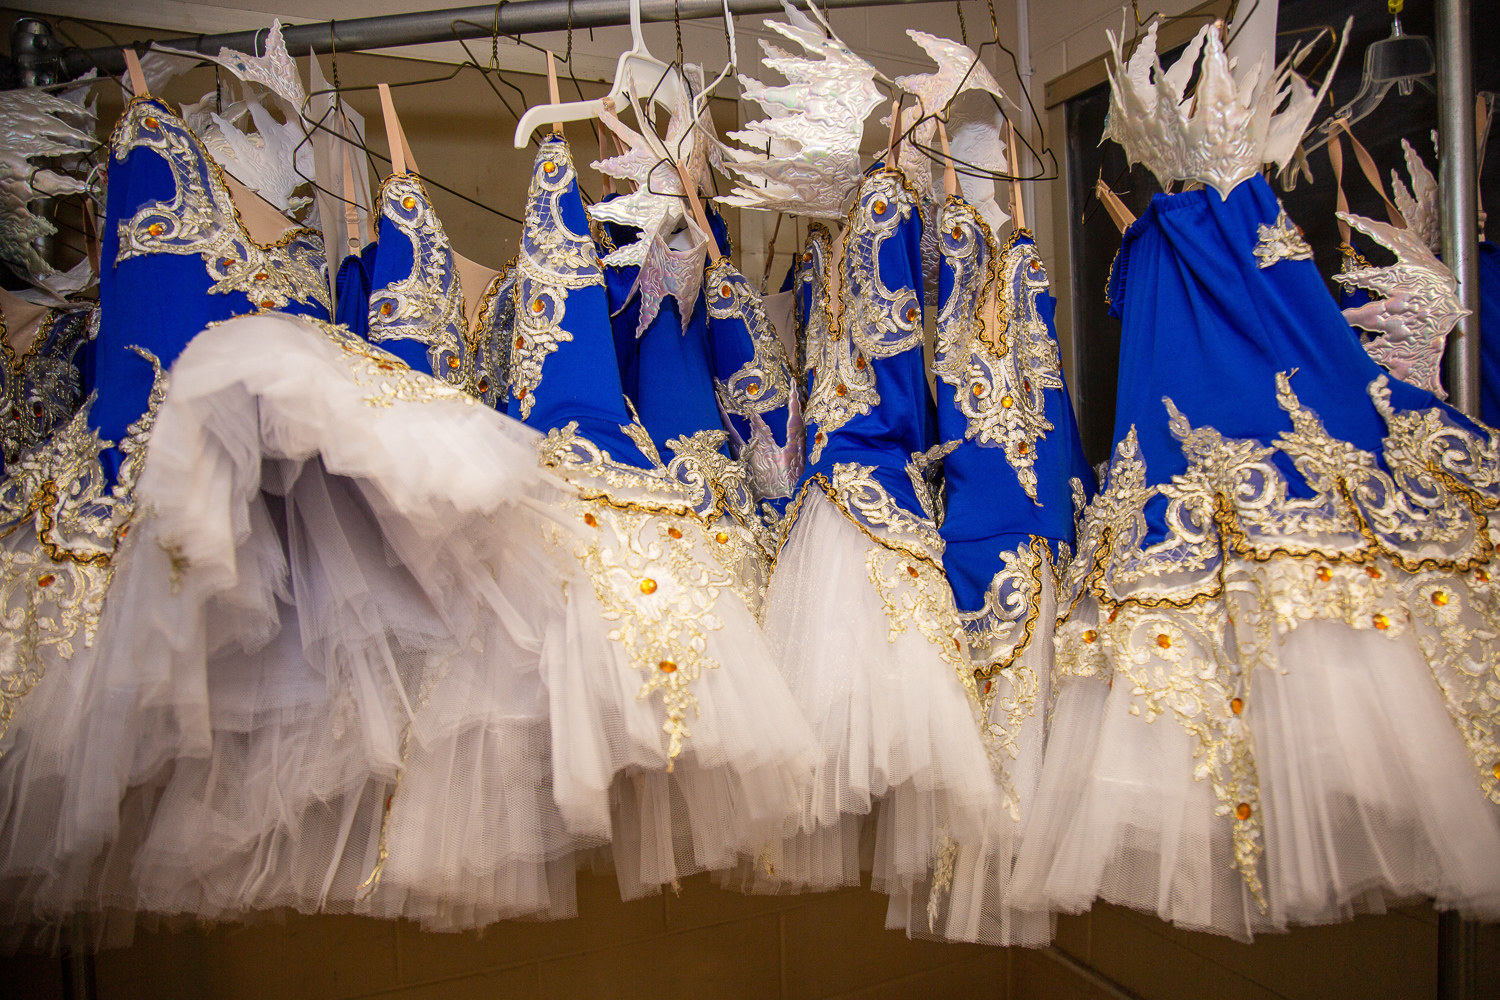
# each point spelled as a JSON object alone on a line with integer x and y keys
{"x": 1367, "y": 793}
{"x": 973, "y": 902}
{"x": 745, "y": 765}
{"x": 895, "y": 730}
{"x": 305, "y": 619}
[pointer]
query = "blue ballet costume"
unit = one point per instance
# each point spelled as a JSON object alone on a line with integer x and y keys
{"x": 1017, "y": 467}
{"x": 563, "y": 366}
{"x": 1249, "y": 323}
{"x": 416, "y": 304}
{"x": 179, "y": 260}
{"x": 868, "y": 400}
{"x": 757, "y": 391}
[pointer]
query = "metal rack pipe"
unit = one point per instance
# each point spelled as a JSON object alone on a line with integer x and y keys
{"x": 424, "y": 27}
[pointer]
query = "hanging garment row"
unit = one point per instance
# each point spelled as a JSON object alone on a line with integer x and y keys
{"x": 409, "y": 594}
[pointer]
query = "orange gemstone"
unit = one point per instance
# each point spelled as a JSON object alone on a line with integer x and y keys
{"x": 1090, "y": 636}
{"x": 675, "y": 532}
{"x": 520, "y": 393}
{"x": 1482, "y": 576}
{"x": 725, "y": 290}
{"x": 156, "y": 229}
{"x": 591, "y": 520}
{"x": 408, "y": 203}
{"x": 1023, "y": 448}
{"x": 841, "y": 389}
{"x": 911, "y": 314}
{"x": 1381, "y": 622}
{"x": 151, "y": 122}
{"x": 912, "y": 571}
{"x": 859, "y": 363}
{"x": 1114, "y": 613}
{"x": 648, "y": 586}
{"x": 1026, "y": 385}
{"x": 1006, "y": 401}
{"x": 667, "y": 667}
{"x": 537, "y": 305}
{"x": 977, "y": 390}
{"x": 1440, "y": 598}
{"x": 520, "y": 342}
{"x": 385, "y": 308}
{"x": 1236, "y": 705}
{"x": 484, "y": 385}
{"x": 958, "y": 233}
{"x": 266, "y": 303}
{"x": 548, "y": 167}
{"x": 818, "y": 437}
{"x": 1497, "y": 770}
{"x": 385, "y": 367}
{"x": 453, "y": 361}
{"x": 722, "y": 538}
{"x": 1163, "y": 640}
{"x": 46, "y": 580}
{"x": 226, "y": 263}
{"x": 753, "y": 388}
{"x": 262, "y": 276}
{"x": 879, "y": 207}
{"x": 1325, "y": 574}
{"x": 807, "y": 257}
{"x": 989, "y": 683}
{"x": 1372, "y": 572}
{"x": 956, "y": 644}
{"x": 1243, "y": 810}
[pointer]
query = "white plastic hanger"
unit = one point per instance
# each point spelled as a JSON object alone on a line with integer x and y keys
{"x": 638, "y": 72}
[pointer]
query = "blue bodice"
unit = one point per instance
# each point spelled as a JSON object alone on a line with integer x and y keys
{"x": 177, "y": 259}
{"x": 1016, "y": 466}
{"x": 868, "y": 402}
{"x": 1210, "y": 324}
{"x": 753, "y": 380}
{"x": 416, "y": 301}
{"x": 563, "y": 367}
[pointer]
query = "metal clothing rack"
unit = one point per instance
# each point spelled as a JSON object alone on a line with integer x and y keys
{"x": 41, "y": 59}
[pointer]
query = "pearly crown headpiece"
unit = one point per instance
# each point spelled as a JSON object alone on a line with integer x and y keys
{"x": 1227, "y": 129}
{"x": 814, "y": 130}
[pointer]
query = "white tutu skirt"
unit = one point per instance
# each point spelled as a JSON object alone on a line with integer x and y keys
{"x": 311, "y": 570}
{"x": 1366, "y": 793}
{"x": 897, "y": 733}
{"x": 673, "y": 734}
{"x": 972, "y": 900}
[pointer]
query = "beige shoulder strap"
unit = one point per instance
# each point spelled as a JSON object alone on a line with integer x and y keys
{"x": 699, "y": 215}
{"x": 1122, "y": 217}
{"x": 351, "y": 210}
{"x": 1372, "y": 173}
{"x": 553, "y": 97}
{"x": 402, "y": 159}
{"x": 137, "y": 75}
{"x": 1017, "y": 204}
{"x": 950, "y": 175}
